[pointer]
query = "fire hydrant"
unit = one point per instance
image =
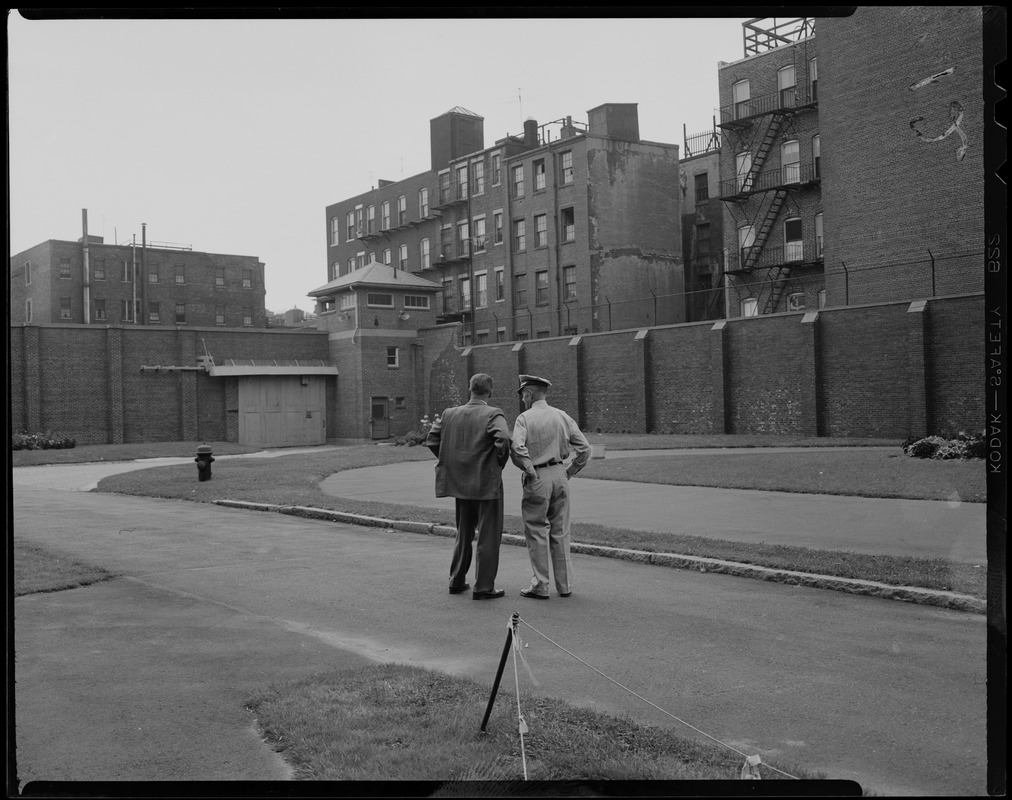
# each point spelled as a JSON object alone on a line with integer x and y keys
{"x": 204, "y": 459}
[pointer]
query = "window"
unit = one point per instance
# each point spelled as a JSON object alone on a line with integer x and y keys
{"x": 796, "y": 301}
{"x": 28, "y": 310}
{"x": 64, "y": 308}
{"x": 359, "y": 221}
{"x": 388, "y": 256}
{"x": 816, "y": 155}
{"x": 351, "y": 265}
{"x": 359, "y": 260}
{"x": 28, "y": 273}
{"x": 65, "y": 268}
{"x": 126, "y": 310}
{"x": 569, "y": 283}
{"x": 541, "y": 230}
{"x": 742, "y": 167}
{"x": 446, "y": 242}
{"x": 465, "y": 293}
{"x": 247, "y": 316}
{"x": 567, "y": 167}
{"x": 822, "y": 299}
{"x": 746, "y": 238}
{"x": 496, "y": 169}
{"x": 393, "y": 357}
{"x": 423, "y": 203}
{"x": 702, "y": 187}
{"x": 813, "y": 76}
{"x": 99, "y": 310}
{"x": 460, "y": 177}
{"x": 463, "y": 245}
{"x": 818, "y": 235}
{"x": 126, "y": 274}
{"x": 247, "y": 278}
{"x": 568, "y": 224}
{"x": 154, "y": 316}
{"x": 790, "y": 161}
{"x": 419, "y": 302}
{"x": 500, "y": 285}
{"x": 481, "y": 290}
{"x": 370, "y": 219}
{"x": 99, "y": 271}
{"x": 334, "y": 271}
{"x": 153, "y": 274}
{"x": 219, "y": 315}
{"x": 402, "y": 257}
{"x": 520, "y": 290}
{"x": 500, "y": 334}
{"x": 740, "y": 96}
{"x": 402, "y": 210}
{"x": 793, "y": 246}
{"x": 379, "y": 300}
{"x": 400, "y": 403}
{"x": 349, "y": 226}
{"x": 786, "y": 85}
{"x": 335, "y": 231}
{"x": 423, "y": 254}
{"x": 519, "y": 235}
{"x": 348, "y": 301}
{"x": 541, "y": 284}
{"x": 477, "y": 177}
{"x": 522, "y": 336}
{"x": 219, "y": 276}
{"x": 703, "y": 246}
{"x": 518, "y": 180}
{"x": 543, "y": 334}
{"x": 481, "y": 337}
{"x": 480, "y": 240}
{"x": 384, "y": 215}
{"x": 497, "y": 227}
{"x": 448, "y": 296}
{"x": 749, "y": 307}
{"x": 539, "y": 175}
{"x": 180, "y": 313}
{"x": 180, "y": 274}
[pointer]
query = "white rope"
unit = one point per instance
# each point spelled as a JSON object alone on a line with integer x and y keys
{"x": 750, "y": 760}
{"x": 521, "y": 724}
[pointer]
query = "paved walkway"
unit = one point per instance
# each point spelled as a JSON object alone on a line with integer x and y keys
{"x": 947, "y": 529}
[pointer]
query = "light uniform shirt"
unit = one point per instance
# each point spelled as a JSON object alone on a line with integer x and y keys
{"x": 544, "y": 434}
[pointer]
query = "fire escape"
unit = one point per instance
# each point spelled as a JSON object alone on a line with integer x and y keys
{"x": 451, "y": 195}
{"x": 754, "y": 126}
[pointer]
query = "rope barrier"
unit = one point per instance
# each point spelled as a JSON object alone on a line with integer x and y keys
{"x": 750, "y": 770}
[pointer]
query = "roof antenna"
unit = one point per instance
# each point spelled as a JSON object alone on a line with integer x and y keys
{"x": 520, "y": 97}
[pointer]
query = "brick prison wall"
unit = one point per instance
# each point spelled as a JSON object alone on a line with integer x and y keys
{"x": 501, "y": 362}
{"x": 765, "y": 363}
{"x": 555, "y": 360}
{"x": 612, "y": 381}
{"x": 890, "y": 195}
{"x": 864, "y": 377}
{"x": 956, "y": 334}
{"x": 681, "y": 379}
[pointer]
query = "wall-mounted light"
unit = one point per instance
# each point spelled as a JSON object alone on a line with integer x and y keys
{"x": 404, "y": 316}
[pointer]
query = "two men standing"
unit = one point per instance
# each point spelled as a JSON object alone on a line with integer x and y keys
{"x": 472, "y": 445}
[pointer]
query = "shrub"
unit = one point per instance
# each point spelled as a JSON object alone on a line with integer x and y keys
{"x": 962, "y": 446}
{"x": 40, "y": 441}
{"x": 418, "y": 435}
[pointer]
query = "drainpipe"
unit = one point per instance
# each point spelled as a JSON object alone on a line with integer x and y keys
{"x": 133, "y": 268}
{"x": 87, "y": 272}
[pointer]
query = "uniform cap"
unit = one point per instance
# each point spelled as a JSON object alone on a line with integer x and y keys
{"x": 532, "y": 380}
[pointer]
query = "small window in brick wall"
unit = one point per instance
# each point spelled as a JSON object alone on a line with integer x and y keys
{"x": 393, "y": 358}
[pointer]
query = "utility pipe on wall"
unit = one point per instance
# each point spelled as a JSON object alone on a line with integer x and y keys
{"x": 87, "y": 279}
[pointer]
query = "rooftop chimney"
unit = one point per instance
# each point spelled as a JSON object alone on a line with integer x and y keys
{"x": 616, "y": 121}
{"x": 531, "y": 133}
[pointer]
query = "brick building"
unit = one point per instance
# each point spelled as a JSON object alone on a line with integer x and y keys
{"x": 702, "y": 227}
{"x": 91, "y": 282}
{"x": 567, "y": 228}
{"x": 895, "y": 209}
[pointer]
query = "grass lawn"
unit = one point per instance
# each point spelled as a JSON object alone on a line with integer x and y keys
{"x": 396, "y": 722}
{"x": 294, "y": 481}
{"x": 38, "y": 569}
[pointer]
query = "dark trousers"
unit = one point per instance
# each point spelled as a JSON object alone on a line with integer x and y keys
{"x": 484, "y": 517}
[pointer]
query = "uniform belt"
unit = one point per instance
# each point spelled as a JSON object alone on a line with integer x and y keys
{"x": 548, "y": 464}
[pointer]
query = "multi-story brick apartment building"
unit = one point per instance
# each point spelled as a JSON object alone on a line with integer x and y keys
{"x": 92, "y": 282}
{"x": 702, "y": 227}
{"x": 895, "y": 209}
{"x": 569, "y": 228}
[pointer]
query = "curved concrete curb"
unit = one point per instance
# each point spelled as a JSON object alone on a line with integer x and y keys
{"x": 910, "y": 594}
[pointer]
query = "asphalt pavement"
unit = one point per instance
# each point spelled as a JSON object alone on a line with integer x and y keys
{"x": 144, "y": 677}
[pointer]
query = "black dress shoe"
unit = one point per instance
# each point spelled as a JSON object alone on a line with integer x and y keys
{"x": 459, "y": 589}
{"x": 533, "y": 594}
{"x": 564, "y": 594}
{"x": 495, "y": 593}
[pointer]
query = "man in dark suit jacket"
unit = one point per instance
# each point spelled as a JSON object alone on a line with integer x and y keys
{"x": 472, "y": 443}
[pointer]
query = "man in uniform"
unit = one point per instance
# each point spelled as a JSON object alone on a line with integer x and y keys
{"x": 543, "y": 438}
{"x": 471, "y": 443}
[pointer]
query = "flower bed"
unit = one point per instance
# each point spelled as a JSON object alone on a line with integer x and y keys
{"x": 40, "y": 441}
{"x": 964, "y": 446}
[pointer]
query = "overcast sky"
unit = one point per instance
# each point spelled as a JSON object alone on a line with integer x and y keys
{"x": 233, "y": 136}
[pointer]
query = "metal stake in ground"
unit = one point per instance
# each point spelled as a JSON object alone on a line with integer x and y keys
{"x": 514, "y": 619}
